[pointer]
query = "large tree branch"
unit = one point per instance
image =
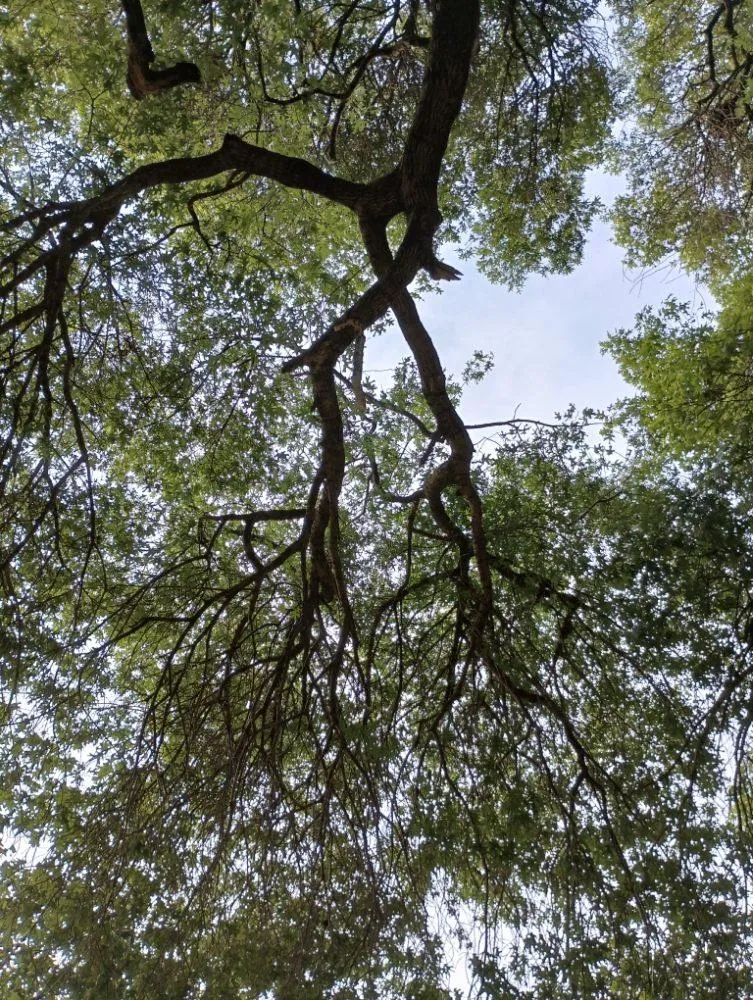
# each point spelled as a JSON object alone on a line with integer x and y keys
{"x": 142, "y": 79}
{"x": 455, "y": 31}
{"x": 81, "y": 223}
{"x": 456, "y": 470}
{"x": 453, "y": 40}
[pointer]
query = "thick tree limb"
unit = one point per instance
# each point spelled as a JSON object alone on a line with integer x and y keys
{"x": 142, "y": 79}
{"x": 81, "y": 223}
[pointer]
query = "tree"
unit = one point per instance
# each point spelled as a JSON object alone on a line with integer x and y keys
{"x": 689, "y": 152}
{"x": 288, "y": 674}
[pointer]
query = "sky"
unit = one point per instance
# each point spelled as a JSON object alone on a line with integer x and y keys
{"x": 545, "y": 338}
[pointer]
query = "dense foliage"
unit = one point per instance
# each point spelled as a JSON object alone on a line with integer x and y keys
{"x": 300, "y": 692}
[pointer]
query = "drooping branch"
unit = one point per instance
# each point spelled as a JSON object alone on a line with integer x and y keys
{"x": 294, "y": 658}
{"x": 456, "y": 470}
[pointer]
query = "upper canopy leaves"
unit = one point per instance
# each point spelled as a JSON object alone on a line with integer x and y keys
{"x": 294, "y": 689}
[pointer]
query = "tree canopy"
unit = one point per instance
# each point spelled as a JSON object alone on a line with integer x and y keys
{"x": 301, "y": 688}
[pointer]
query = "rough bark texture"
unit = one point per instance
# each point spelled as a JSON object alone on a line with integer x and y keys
{"x": 141, "y": 78}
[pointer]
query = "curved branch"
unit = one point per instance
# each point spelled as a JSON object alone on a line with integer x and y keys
{"x": 82, "y": 223}
{"x": 141, "y": 78}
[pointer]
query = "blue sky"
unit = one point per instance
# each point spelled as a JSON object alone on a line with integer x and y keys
{"x": 545, "y": 338}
